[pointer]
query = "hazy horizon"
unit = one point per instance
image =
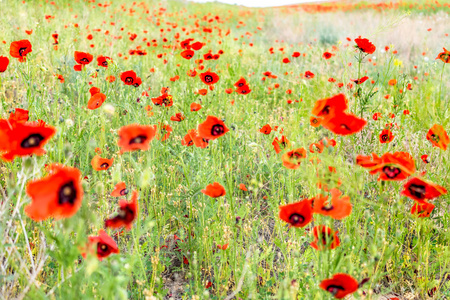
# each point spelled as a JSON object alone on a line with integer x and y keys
{"x": 258, "y": 3}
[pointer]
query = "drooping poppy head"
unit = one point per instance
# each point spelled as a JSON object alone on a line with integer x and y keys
{"x": 83, "y": 58}
{"x": 23, "y": 139}
{"x": 338, "y": 207}
{"x": 209, "y": 78}
{"x": 329, "y": 107}
{"x": 102, "y": 61}
{"x": 293, "y": 159}
{"x": 96, "y": 101}
{"x": 136, "y": 137}
{"x": 187, "y": 54}
{"x": 297, "y": 214}
{"x": 421, "y": 190}
{"x": 4, "y": 62}
{"x": 56, "y": 195}
{"x": 340, "y": 285}
{"x": 365, "y": 46}
{"x": 214, "y": 190}
{"x": 177, "y": 118}
{"x": 386, "y": 136}
{"x": 103, "y": 244}
{"x": 19, "y": 116}
{"x": 438, "y": 136}
{"x": 100, "y": 164}
{"x": 422, "y": 210}
{"x": 213, "y": 128}
{"x": 127, "y": 213}
{"x": 344, "y": 124}
{"x": 444, "y": 56}
{"x": 325, "y": 238}
{"x": 120, "y": 189}
{"x": 128, "y": 77}
{"x": 280, "y": 144}
{"x": 266, "y": 129}
{"x": 20, "y": 49}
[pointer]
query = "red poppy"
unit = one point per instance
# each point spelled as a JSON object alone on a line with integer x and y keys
{"x": 120, "y": 189}
{"x": 212, "y": 128}
{"x": 242, "y": 187}
{"x": 78, "y": 68}
{"x": 129, "y": 77}
{"x": 214, "y": 190}
{"x": 344, "y": 124}
{"x": 316, "y": 147}
{"x": 422, "y": 210}
{"x": 202, "y": 92}
{"x": 209, "y": 78}
{"x": 444, "y": 56}
{"x": 96, "y": 101}
{"x": 240, "y": 83}
{"x": 340, "y": 285}
{"x": 315, "y": 122}
{"x": 188, "y": 139}
{"x": 392, "y": 167}
{"x": 197, "y": 46}
{"x": 420, "y": 190}
{"x": 328, "y": 107}
{"x": 309, "y": 75}
{"x": 293, "y": 159}
{"x": 127, "y": 213}
{"x": 23, "y": 139}
{"x": 327, "y": 55}
{"x": 102, "y": 61}
{"x": 57, "y": 195}
{"x": 111, "y": 78}
{"x": 364, "y": 45}
{"x": 360, "y": 80}
{"x": 163, "y": 132}
{"x": 386, "y": 136}
{"x": 266, "y": 129}
{"x": 83, "y": 58}
{"x": 100, "y": 164}
{"x": 243, "y": 90}
{"x": 199, "y": 141}
{"x": 94, "y": 90}
{"x": 195, "y": 106}
{"x": 280, "y": 144}
{"x": 438, "y": 136}
{"x": 297, "y": 214}
{"x": 177, "y": 118}
{"x": 338, "y": 207}
{"x": 325, "y": 238}
{"x": 133, "y": 137}
{"x": 4, "y": 62}
{"x": 223, "y": 247}
{"x": 104, "y": 244}
{"x": 164, "y": 99}
{"x": 424, "y": 158}
{"x": 188, "y": 54}
{"x": 20, "y": 49}
{"x": 19, "y": 116}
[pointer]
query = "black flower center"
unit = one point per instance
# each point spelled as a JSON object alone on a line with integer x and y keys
{"x": 417, "y": 190}
{"x": 123, "y": 192}
{"x": 129, "y": 80}
{"x": 391, "y": 171}
{"x": 32, "y": 141}
{"x": 217, "y": 130}
{"x": 138, "y": 140}
{"x": 435, "y": 138}
{"x": 334, "y": 289}
{"x": 240, "y": 84}
{"x": 296, "y": 219}
{"x": 22, "y": 50}
{"x": 385, "y": 137}
{"x": 67, "y": 194}
{"x": 104, "y": 165}
{"x": 343, "y": 126}
{"x": 209, "y": 78}
{"x": 102, "y": 249}
{"x": 105, "y": 63}
{"x": 85, "y": 60}
{"x": 325, "y": 110}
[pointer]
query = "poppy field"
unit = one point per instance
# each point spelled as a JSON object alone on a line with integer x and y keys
{"x": 176, "y": 150}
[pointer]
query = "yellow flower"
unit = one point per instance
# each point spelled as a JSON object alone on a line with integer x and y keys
{"x": 398, "y": 63}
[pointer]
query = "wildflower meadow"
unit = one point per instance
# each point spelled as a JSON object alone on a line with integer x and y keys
{"x": 179, "y": 150}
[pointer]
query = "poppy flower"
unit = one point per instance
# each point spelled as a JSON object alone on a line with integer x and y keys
{"x": 266, "y": 129}
{"x": 292, "y": 159}
{"x": 188, "y": 139}
{"x": 128, "y": 77}
{"x": 240, "y": 83}
{"x": 214, "y": 190}
{"x": 315, "y": 122}
{"x": 96, "y": 101}
{"x": 309, "y": 75}
{"x": 438, "y": 136}
{"x": 286, "y": 60}
{"x": 202, "y": 92}
{"x": 177, "y": 118}
{"x": 78, "y": 68}
{"x": 195, "y": 106}
{"x": 243, "y": 90}
{"x": 23, "y": 139}
{"x": 104, "y": 245}
{"x": 163, "y": 132}
{"x": 164, "y": 99}
{"x": 365, "y": 46}
{"x": 212, "y": 128}
{"x": 19, "y": 116}
{"x": 327, "y": 55}
{"x": 242, "y": 187}
{"x": 444, "y": 56}
{"x": 424, "y": 158}
{"x": 120, "y": 189}
{"x": 316, "y": 147}
{"x": 111, "y": 78}
{"x": 4, "y": 62}
{"x": 102, "y": 61}
{"x": 298, "y": 214}
{"x": 340, "y": 285}
{"x": 386, "y": 136}
{"x": 187, "y": 54}
{"x": 199, "y": 141}
{"x": 133, "y": 137}
{"x": 328, "y": 107}
{"x": 344, "y": 124}
{"x": 83, "y": 58}
{"x": 391, "y": 166}
{"x": 422, "y": 210}
{"x": 360, "y": 80}
{"x": 222, "y": 247}
{"x": 57, "y": 195}
{"x": 127, "y": 213}
{"x": 421, "y": 190}
{"x": 94, "y": 90}
{"x": 338, "y": 207}
{"x": 209, "y": 78}
{"x": 137, "y": 82}
{"x": 280, "y": 144}
{"x": 100, "y": 164}
{"x": 197, "y": 46}
{"x": 20, "y": 49}
{"x": 325, "y": 238}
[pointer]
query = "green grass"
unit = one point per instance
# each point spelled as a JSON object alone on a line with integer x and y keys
{"x": 265, "y": 259}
